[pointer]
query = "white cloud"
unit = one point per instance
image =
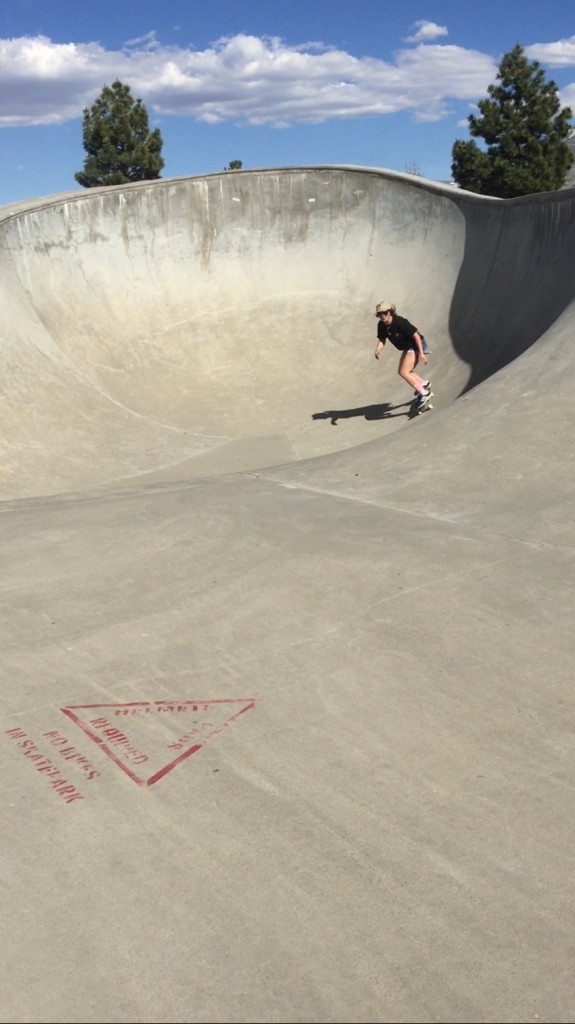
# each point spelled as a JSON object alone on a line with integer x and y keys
{"x": 426, "y": 31}
{"x": 147, "y": 42}
{"x": 567, "y": 97}
{"x": 554, "y": 55}
{"x": 243, "y": 78}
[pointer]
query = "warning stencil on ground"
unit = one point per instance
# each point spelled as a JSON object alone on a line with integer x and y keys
{"x": 148, "y": 739}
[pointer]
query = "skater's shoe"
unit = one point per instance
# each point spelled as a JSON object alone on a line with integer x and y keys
{"x": 424, "y": 398}
{"x": 427, "y": 386}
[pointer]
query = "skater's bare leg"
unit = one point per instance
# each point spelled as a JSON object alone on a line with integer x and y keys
{"x": 406, "y": 371}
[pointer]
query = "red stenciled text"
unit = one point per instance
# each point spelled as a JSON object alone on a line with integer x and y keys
{"x": 159, "y": 706}
{"x": 117, "y": 739}
{"x": 45, "y": 766}
{"x": 69, "y": 753}
{"x": 193, "y": 734}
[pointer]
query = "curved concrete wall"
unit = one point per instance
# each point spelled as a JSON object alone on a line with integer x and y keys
{"x": 170, "y": 321}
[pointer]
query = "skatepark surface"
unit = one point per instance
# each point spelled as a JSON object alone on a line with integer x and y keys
{"x": 287, "y": 672}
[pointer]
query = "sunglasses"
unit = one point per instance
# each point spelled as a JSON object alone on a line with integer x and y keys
{"x": 383, "y": 312}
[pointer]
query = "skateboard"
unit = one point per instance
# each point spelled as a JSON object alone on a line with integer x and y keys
{"x": 419, "y": 411}
{"x": 424, "y": 408}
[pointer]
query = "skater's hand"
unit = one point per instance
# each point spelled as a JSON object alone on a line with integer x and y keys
{"x": 423, "y": 358}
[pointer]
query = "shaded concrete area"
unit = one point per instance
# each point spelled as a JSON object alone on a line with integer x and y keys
{"x": 287, "y": 698}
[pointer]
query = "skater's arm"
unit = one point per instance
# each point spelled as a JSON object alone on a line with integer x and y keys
{"x": 419, "y": 343}
{"x": 379, "y": 348}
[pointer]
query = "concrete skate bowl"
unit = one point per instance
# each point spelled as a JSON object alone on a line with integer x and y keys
{"x": 384, "y": 835}
{"x": 197, "y": 326}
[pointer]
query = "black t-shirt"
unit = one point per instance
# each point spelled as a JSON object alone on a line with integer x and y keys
{"x": 400, "y": 333}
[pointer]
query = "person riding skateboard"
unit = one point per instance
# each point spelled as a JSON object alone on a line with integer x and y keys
{"x": 410, "y": 342}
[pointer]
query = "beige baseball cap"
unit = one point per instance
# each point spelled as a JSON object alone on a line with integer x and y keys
{"x": 382, "y": 307}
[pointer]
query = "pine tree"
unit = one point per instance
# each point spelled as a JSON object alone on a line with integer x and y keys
{"x": 525, "y": 132}
{"x": 116, "y": 136}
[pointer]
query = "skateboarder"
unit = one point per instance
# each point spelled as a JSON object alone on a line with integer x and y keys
{"x": 410, "y": 342}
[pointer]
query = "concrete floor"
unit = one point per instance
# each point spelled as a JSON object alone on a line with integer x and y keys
{"x": 287, "y": 673}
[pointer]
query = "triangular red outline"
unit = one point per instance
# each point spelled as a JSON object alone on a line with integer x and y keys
{"x": 249, "y": 702}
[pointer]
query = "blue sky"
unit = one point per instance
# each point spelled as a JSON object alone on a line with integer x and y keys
{"x": 273, "y": 84}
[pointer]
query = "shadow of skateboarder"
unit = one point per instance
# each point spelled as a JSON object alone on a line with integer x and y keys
{"x": 382, "y": 411}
